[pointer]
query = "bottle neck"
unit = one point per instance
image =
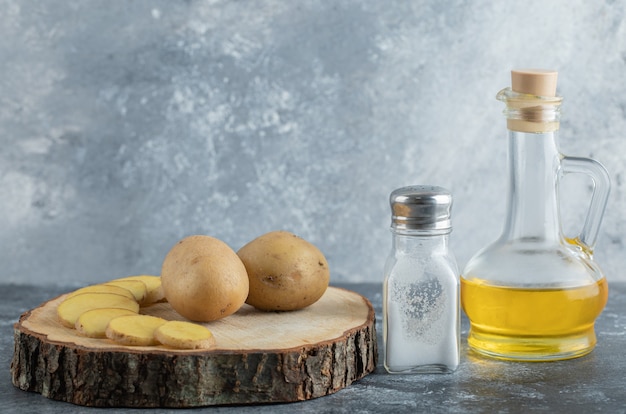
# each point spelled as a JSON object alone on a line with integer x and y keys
{"x": 533, "y": 214}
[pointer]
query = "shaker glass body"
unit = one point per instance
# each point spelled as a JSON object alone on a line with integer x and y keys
{"x": 421, "y": 310}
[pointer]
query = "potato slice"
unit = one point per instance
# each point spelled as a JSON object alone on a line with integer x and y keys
{"x": 94, "y": 322}
{"x": 71, "y": 308}
{"x": 102, "y": 288}
{"x": 134, "y": 330}
{"x": 137, "y": 288}
{"x": 184, "y": 335}
{"x": 154, "y": 289}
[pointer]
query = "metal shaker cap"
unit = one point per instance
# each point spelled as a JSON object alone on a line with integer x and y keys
{"x": 421, "y": 207}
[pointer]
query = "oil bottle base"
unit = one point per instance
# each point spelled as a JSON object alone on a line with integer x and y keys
{"x": 532, "y": 348}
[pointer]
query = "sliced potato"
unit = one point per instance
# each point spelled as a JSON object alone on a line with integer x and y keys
{"x": 71, "y": 308}
{"x": 184, "y": 335}
{"x": 94, "y": 322}
{"x": 137, "y": 288}
{"x": 154, "y": 289}
{"x": 134, "y": 330}
{"x": 102, "y": 288}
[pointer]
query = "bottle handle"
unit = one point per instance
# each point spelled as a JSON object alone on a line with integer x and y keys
{"x": 599, "y": 197}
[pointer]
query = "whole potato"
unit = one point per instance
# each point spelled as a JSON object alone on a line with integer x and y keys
{"x": 203, "y": 279}
{"x": 285, "y": 272}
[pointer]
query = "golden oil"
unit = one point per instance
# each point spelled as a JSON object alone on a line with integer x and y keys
{"x": 532, "y": 324}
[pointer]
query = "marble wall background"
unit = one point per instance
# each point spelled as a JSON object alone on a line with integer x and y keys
{"x": 127, "y": 125}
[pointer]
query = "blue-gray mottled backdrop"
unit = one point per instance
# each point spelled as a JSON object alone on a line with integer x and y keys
{"x": 127, "y": 125}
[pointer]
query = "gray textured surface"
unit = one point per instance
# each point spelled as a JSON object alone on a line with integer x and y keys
{"x": 125, "y": 126}
{"x": 594, "y": 383}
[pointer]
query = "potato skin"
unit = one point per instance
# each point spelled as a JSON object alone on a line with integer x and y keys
{"x": 203, "y": 279}
{"x": 285, "y": 272}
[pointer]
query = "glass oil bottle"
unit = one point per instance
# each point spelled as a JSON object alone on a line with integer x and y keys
{"x": 534, "y": 294}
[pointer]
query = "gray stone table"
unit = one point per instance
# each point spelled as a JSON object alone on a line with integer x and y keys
{"x": 594, "y": 383}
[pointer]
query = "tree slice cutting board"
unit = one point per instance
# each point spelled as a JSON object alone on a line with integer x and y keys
{"x": 260, "y": 357}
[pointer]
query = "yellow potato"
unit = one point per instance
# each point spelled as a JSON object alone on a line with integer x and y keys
{"x": 285, "y": 272}
{"x": 134, "y": 330}
{"x": 94, "y": 322}
{"x": 103, "y": 288}
{"x": 71, "y": 308}
{"x": 184, "y": 335}
{"x": 203, "y": 279}
{"x": 136, "y": 287}
{"x": 154, "y": 292}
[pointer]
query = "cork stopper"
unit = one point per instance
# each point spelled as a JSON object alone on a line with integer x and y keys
{"x": 538, "y": 82}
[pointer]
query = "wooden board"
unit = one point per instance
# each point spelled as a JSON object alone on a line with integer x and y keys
{"x": 260, "y": 357}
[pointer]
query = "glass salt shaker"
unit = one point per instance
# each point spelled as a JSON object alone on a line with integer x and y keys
{"x": 421, "y": 311}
